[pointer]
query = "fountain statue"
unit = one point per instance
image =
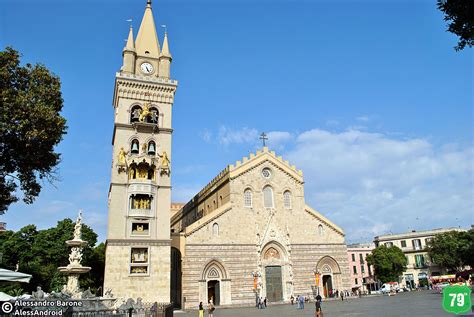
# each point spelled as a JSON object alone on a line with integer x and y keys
{"x": 75, "y": 268}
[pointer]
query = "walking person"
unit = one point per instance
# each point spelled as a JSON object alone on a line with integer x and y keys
{"x": 292, "y": 299}
{"x": 201, "y": 310}
{"x": 265, "y": 302}
{"x": 342, "y": 296}
{"x": 210, "y": 309}
{"x": 318, "y": 311}
{"x": 302, "y": 302}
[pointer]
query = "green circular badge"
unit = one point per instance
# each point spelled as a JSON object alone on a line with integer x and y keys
{"x": 457, "y": 299}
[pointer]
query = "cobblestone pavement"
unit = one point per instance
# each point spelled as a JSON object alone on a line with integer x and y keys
{"x": 413, "y": 304}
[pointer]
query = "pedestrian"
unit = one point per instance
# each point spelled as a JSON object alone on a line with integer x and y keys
{"x": 302, "y": 302}
{"x": 201, "y": 310}
{"x": 265, "y": 302}
{"x": 292, "y": 299}
{"x": 210, "y": 309}
{"x": 297, "y": 301}
{"x": 342, "y": 296}
{"x": 319, "y": 311}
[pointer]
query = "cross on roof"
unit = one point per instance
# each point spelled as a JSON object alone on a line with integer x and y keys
{"x": 263, "y": 137}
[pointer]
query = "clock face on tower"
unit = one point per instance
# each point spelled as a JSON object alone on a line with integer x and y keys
{"x": 146, "y": 68}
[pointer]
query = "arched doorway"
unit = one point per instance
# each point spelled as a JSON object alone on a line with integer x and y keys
{"x": 176, "y": 277}
{"x": 330, "y": 276}
{"x": 213, "y": 292}
{"x": 215, "y": 284}
{"x": 327, "y": 285}
{"x": 276, "y": 273}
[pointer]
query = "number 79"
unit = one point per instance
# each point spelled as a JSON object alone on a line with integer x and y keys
{"x": 458, "y": 298}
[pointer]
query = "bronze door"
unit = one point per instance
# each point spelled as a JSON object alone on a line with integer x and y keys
{"x": 273, "y": 283}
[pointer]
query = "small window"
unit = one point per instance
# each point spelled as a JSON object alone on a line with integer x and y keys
{"x": 151, "y": 148}
{"x": 362, "y": 269}
{"x": 266, "y": 173}
{"x": 361, "y": 258}
{"x": 389, "y": 244}
{"x": 268, "y": 197}
{"x": 139, "y": 261}
{"x": 248, "y": 198}
{"x": 287, "y": 199}
{"x": 153, "y": 116}
{"x": 215, "y": 229}
{"x": 403, "y": 243}
{"x": 140, "y": 229}
{"x": 135, "y": 114}
{"x": 140, "y": 201}
{"x": 135, "y": 147}
{"x": 356, "y": 281}
{"x": 353, "y": 257}
{"x": 416, "y": 244}
{"x": 320, "y": 230}
{"x": 354, "y": 269}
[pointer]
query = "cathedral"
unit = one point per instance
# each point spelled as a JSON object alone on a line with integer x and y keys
{"x": 248, "y": 233}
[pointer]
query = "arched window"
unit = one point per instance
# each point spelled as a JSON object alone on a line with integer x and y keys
{"x": 287, "y": 199}
{"x": 320, "y": 230}
{"x": 135, "y": 114}
{"x": 135, "y": 147}
{"x": 215, "y": 229}
{"x": 153, "y": 116}
{"x": 248, "y": 198}
{"x": 268, "y": 197}
{"x": 151, "y": 148}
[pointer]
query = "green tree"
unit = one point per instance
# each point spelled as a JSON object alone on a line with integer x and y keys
{"x": 452, "y": 250}
{"x": 40, "y": 253}
{"x": 460, "y": 17}
{"x": 388, "y": 262}
{"x": 30, "y": 127}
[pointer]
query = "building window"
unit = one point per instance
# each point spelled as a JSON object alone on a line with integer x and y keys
{"x": 266, "y": 173}
{"x": 135, "y": 114}
{"x": 151, "y": 148}
{"x": 268, "y": 197}
{"x": 362, "y": 269}
{"x": 361, "y": 258}
{"x": 140, "y": 201}
{"x": 388, "y": 244}
{"x": 287, "y": 199}
{"x": 354, "y": 268}
{"x": 428, "y": 240}
{"x": 419, "y": 261}
{"x": 403, "y": 243}
{"x": 353, "y": 257}
{"x": 320, "y": 230}
{"x": 153, "y": 116}
{"x": 215, "y": 229}
{"x": 416, "y": 244}
{"x": 140, "y": 229}
{"x": 356, "y": 282}
{"x": 139, "y": 261}
{"x": 248, "y": 198}
{"x": 135, "y": 147}
{"x": 408, "y": 259}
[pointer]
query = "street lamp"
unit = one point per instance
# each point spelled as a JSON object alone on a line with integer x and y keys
{"x": 317, "y": 276}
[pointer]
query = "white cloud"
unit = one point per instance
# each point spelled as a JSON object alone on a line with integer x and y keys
{"x": 363, "y": 118}
{"x": 278, "y": 139}
{"x": 206, "y": 135}
{"x": 227, "y": 136}
{"x": 371, "y": 183}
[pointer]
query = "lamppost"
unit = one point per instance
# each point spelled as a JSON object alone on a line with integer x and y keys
{"x": 256, "y": 285}
{"x": 317, "y": 276}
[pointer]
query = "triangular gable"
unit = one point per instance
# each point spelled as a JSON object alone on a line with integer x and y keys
{"x": 324, "y": 220}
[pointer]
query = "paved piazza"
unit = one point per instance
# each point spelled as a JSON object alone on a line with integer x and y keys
{"x": 414, "y": 304}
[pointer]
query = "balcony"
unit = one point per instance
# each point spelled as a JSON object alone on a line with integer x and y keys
{"x": 147, "y": 213}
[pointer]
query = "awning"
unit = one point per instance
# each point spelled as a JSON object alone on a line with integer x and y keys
{"x": 12, "y": 276}
{"x": 5, "y": 297}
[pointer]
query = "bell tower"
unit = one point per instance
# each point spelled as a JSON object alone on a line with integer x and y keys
{"x": 138, "y": 239}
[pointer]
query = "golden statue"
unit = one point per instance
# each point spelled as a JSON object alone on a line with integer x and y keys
{"x": 136, "y": 204}
{"x": 121, "y": 156}
{"x": 145, "y": 112}
{"x": 132, "y": 173}
{"x": 165, "y": 161}
{"x": 139, "y": 228}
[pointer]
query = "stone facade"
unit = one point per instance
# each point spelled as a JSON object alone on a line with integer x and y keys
{"x": 138, "y": 238}
{"x": 239, "y": 240}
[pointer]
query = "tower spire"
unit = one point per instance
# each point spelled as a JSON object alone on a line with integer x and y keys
{"x": 166, "y": 50}
{"x": 147, "y": 39}
{"x": 130, "y": 43}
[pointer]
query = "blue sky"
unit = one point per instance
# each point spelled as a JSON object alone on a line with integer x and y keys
{"x": 369, "y": 98}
